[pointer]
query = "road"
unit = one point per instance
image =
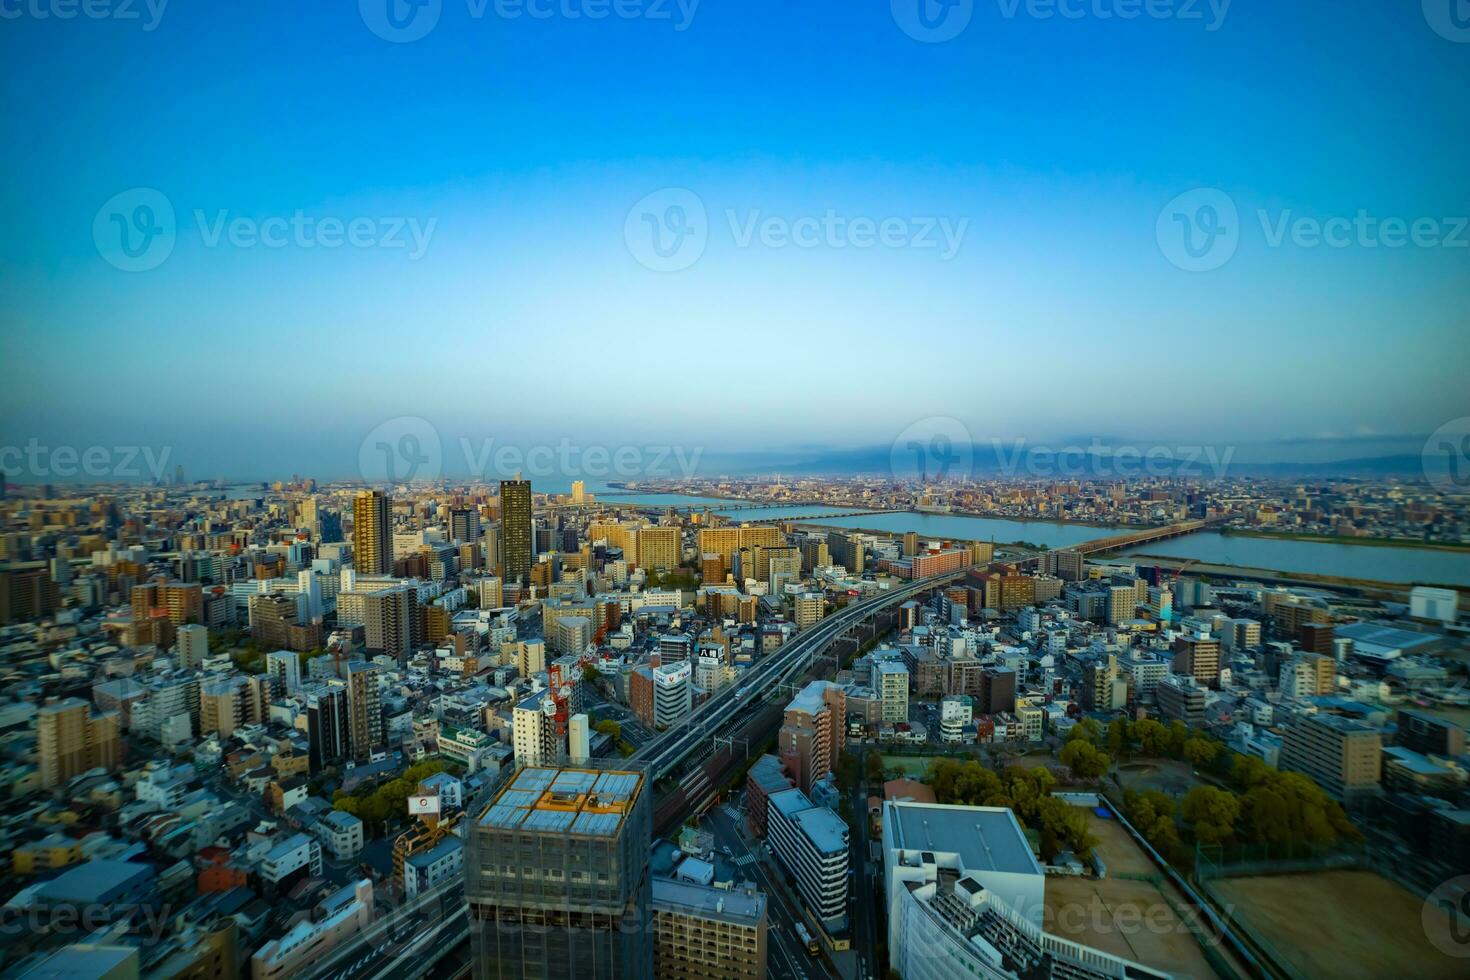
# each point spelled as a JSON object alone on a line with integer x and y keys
{"x": 709, "y": 720}
{"x": 865, "y": 910}
{"x": 786, "y": 956}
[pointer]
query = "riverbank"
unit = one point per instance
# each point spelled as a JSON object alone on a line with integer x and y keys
{"x": 1369, "y": 587}
{"x": 1346, "y": 539}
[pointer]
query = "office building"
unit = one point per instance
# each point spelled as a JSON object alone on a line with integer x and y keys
{"x": 464, "y": 525}
{"x": 673, "y": 693}
{"x": 71, "y": 738}
{"x": 372, "y": 533}
{"x": 1181, "y": 698}
{"x": 516, "y": 549}
{"x": 556, "y": 878}
{"x": 1343, "y": 756}
{"x": 997, "y": 690}
{"x": 706, "y": 933}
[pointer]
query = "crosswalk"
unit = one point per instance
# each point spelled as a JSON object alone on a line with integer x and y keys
{"x": 743, "y": 860}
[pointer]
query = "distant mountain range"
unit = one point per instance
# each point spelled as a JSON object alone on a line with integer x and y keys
{"x": 990, "y": 461}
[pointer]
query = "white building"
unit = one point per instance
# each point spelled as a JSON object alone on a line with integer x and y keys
{"x": 1429, "y": 603}
{"x": 966, "y": 897}
{"x": 955, "y": 712}
{"x": 891, "y": 681}
{"x": 341, "y": 832}
{"x": 673, "y": 693}
{"x": 285, "y": 664}
{"x": 290, "y": 855}
{"x": 533, "y": 730}
{"x": 811, "y": 842}
{"x": 428, "y": 869}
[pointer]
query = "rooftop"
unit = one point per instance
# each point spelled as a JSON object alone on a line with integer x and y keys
{"x": 986, "y": 838}
{"x": 585, "y": 802}
{"x": 738, "y": 907}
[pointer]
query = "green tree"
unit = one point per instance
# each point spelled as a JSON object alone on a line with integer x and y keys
{"x": 1212, "y": 813}
{"x": 1088, "y": 729}
{"x": 1085, "y": 761}
{"x": 1118, "y": 736}
{"x": 1152, "y": 738}
{"x": 1200, "y": 752}
{"x": 610, "y": 728}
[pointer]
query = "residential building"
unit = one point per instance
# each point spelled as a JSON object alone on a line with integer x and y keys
{"x": 372, "y": 533}
{"x": 706, "y": 933}
{"x": 1344, "y": 756}
{"x": 811, "y": 842}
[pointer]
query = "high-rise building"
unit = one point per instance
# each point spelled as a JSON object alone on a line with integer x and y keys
{"x": 389, "y": 617}
{"x": 556, "y": 878}
{"x": 660, "y": 548}
{"x": 579, "y": 492}
{"x": 847, "y": 550}
{"x": 997, "y": 690}
{"x": 372, "y": 533}
{"x": 193, "y": 645}
{"x": 810, "y": 608}
{"x": 1199, "y": 657}
{"x": 326, "y": 724}
{"x": 515, "y": 527}
{"x": 464, "y": 525}
{"x": 70, "y": 739}
{"x": 673, "y": 693}
{"x": 285, "y": 665}
{"x": 364, "y": 709}
{"x": 811, "y": 842}
{"x": 533, "y": 731}
{"x": 813, "y": 732}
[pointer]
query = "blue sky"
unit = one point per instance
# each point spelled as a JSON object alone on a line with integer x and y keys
{"x": 518, "y": 145}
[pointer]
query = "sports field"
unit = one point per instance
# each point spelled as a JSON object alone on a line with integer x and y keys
{"x": 1125, "y": 916}
{"x": 1338, "y": 924}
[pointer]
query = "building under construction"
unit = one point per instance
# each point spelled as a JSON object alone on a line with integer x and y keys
{"x": 556, "y": 876}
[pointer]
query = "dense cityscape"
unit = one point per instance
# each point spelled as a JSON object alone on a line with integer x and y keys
{"x": 417, "y": 730}
{"x": 698, "y": 490}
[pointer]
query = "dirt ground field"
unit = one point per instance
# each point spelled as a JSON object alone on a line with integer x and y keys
{"x": 1121, "y": 916}
{"x": 1363, "y": 925}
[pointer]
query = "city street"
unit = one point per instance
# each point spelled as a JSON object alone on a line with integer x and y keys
{"x": 786, "y": 956}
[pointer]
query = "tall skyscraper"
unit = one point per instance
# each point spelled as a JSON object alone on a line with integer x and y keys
{"x": 579, "y": 492}
{"x": 372, "y": 533}
{"x": 515, "y": 529}
{"x": 556, "y": 875}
